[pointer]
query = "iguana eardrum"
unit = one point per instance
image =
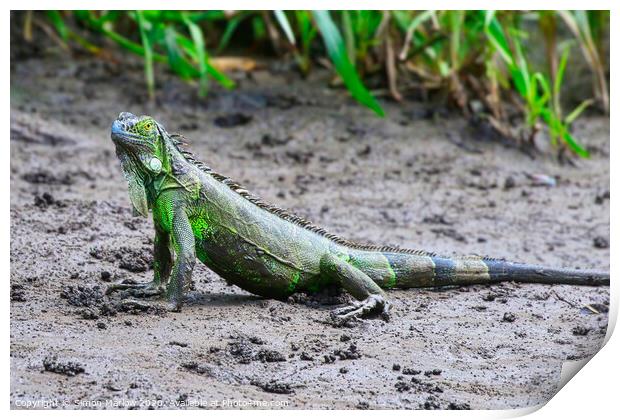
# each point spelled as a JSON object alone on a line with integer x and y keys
{"x": 267, "y": 250}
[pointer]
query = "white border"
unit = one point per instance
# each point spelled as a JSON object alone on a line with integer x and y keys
{"x": 592, "y": 394}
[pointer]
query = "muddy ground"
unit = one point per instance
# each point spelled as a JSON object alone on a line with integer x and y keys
{"x": 420, "y": 178}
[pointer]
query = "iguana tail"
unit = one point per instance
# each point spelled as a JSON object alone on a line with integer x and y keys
{"x": 404, "y": 270}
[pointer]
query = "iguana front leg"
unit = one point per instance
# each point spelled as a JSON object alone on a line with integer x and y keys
{"x": 162, "y": 264}
{"x": 184, "y": 248}
{"x": 370, "y": 296}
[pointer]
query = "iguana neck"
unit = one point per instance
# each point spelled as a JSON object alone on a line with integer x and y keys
{"x": 175, "y": 174}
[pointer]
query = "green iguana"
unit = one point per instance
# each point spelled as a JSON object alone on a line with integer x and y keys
{"x": 265, "y": 249}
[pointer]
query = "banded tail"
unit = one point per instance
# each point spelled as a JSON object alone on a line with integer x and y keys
{"x": 405, "y": 270}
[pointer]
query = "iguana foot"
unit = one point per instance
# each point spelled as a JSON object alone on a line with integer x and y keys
{"x": 372, "y": 304}
{"x": 135, "y": 306}
{"x": 174, "y": 306}
{"x": 137, "y": 289}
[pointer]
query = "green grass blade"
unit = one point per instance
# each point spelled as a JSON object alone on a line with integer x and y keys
{"x": 578, "y": 110}
{"x": 285, "y": 25}
{"x": 575, "y": 146}
{"x": 148, "y": 55}
{"x": 231, "y": 27}
{"x": 338, "y": 55}
{"x": 177, "y": 62}
{"x": 189, "y": 47}
{"x": 349, "y": 36}
{"x": 200, "y": 52}
{"x": 559, "y": 78}
{"x": 496, "y": 35}
{"x": 59, "y": 23}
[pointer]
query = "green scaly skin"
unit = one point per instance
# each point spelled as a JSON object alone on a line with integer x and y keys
{"x": 198, "y": 213}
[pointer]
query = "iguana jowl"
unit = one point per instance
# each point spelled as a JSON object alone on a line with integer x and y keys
{"x": 265, "y": 250}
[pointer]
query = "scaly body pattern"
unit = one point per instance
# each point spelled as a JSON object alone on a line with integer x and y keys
{"x": 265, "y": 250}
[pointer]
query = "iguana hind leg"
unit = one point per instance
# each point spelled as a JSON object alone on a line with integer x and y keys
{"x": 370, "y": 296}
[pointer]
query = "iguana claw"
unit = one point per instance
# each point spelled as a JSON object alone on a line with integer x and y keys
{"x": 372, "y": 304}
{"x": 137, "y": 289}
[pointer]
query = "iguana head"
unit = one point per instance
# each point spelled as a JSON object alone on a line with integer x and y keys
{"x": 140, "y": 146}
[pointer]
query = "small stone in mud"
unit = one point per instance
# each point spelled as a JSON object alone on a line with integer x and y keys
{"x": 105, "y": 275}
{"x": 113, "y": 387}
{"x": 89, "y": 314}
{"x": 273, "y": 387}
{"x": 102, "y": 325}
{"x": 431, "y": 405}
{"x": 600, "y": 242}
{"x": 196, "y": 367}
{"x": 365, "y": 151}
{"x": 107, "y": 310}
{"x": 349, "y": 354}
{"x": 509, "y": 317}
{"x": 51, "y": 364}
{"x": 411, "y": 371}
{"x": 44, "y": 201}
{"x": 46, "y": 177}
{"x": 362, "y": 405}
{"x": 305, "y": 356}
{"x": 345, "y": 337}
{"x": 580, "y": 330}
{"x": 329, "y": 358}
{"x": 17, "y": 293}
{"x": 458, "y": 406}
{"x": 256, "y": 340}
{"x": 269, "y": 356}
{"x": 135, "y": 261}
{"x": 178, "y": 343}
{"x": 600, "y": 198}
{"x": 241, "y": 350}
{"x": 396, "y": 367}
{"x": 489, "y": 297}
{"x": 214, "y": 349}
{"x": 232, "y": 120}
{"x": 402, "y": 386}
{"x": 343, "y": 370}
{"x": 435, "y": 372}
{"x": 509, "y": 183}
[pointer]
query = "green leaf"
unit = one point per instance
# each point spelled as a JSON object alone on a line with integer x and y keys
{"x": 577, "y": 111}
{"x": 175, "y": 56}
{"x": 148, "y": 55}
{"x": 285, "y": 25}
{"x": 419, "y": 19}
{"x": 200, "y": 53}
{"x": 338, "y": 55}
{"x": 575, "y": 146}
{"x": 497, "y": 37}
{"x": 231, "y": 26}
{"x": 189, "y": 47}
{"x": 59, "y": 23}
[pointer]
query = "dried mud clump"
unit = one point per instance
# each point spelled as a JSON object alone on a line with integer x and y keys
{"x": 51, "y": 364}
{"x": 82, "y": 296}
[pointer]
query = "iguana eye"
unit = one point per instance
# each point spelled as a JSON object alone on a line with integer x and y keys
{"x": 148, "y": 126}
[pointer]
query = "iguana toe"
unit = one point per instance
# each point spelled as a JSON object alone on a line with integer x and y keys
{"x": 370, "y": 305}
